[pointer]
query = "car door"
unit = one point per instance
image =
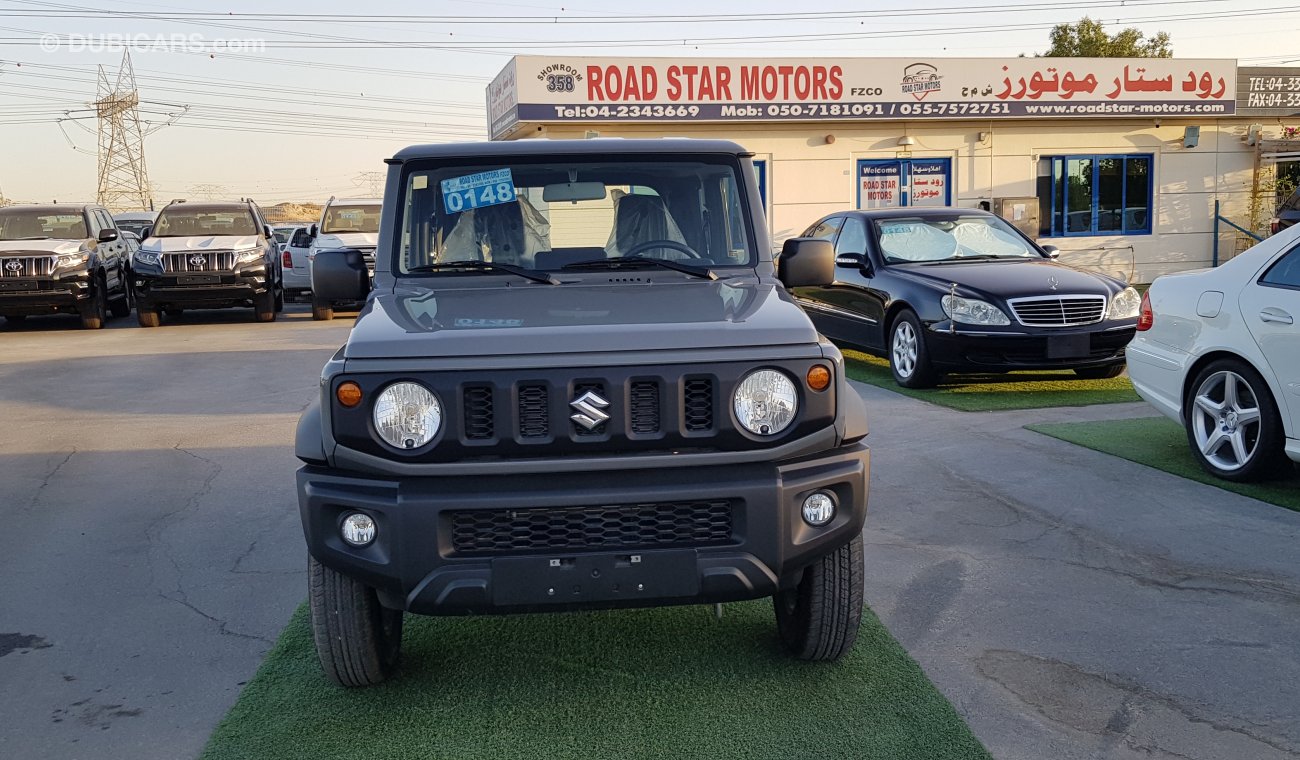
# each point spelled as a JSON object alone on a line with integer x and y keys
{"x": 859, "y": 307}
{"x": 113, "y": 253}
{"x": 1270, "y": 307}
{"x": 822, "y": 316}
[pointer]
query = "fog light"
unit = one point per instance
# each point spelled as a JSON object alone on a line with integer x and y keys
{"x": 818, "y": 509}
{"x": 359, "y": 529}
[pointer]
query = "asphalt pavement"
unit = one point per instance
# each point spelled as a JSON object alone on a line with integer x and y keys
{"x": 1070, "y": 604}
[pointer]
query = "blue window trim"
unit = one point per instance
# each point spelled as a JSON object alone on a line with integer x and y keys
{"x": 904, "y": 178}
{"x": 1059, "y": 214}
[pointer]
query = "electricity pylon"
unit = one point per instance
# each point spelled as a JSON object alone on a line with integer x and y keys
{"x": 123, "y": 178}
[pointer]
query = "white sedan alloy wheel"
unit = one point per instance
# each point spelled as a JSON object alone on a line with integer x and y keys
{"x": 1226, "y": 420}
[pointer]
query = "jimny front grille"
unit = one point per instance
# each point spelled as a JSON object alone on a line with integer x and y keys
{"x": 620, "y": 526}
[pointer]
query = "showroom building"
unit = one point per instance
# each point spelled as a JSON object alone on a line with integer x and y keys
{"x": 1118, "y": 162}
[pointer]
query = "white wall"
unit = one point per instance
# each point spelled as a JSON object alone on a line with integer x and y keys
{"x": 809, "y": 177}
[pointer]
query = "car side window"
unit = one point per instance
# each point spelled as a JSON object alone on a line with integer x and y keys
{"x": 93, "y": 222}
{"x": 853, "y": 238}
{"x": 1285, "y": 272}
{"x": 825, "y": 229}
{"x": 301, "y": 238}
{"x": 105, "y": 221}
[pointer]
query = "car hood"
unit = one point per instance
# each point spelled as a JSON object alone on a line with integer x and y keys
{"x": 348, "y": 240}
{"x": 200, "y": 243}
{"x": 577, "y": 318}
{"x": 1010, "y": 279}
{"x": 40, "y": 247}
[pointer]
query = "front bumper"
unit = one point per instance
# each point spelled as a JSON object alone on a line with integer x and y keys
{"x": 61, "y": 294}
{"x": 425, "y": 560}
{"x": 972, "y": 349}
{"x": 155, "y": 289}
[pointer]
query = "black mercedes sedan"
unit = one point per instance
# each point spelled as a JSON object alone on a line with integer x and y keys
{"x": 946, "y": 290}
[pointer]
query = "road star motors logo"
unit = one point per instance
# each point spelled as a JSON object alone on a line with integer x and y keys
{"x": 13, "y": 265}
{"x": 921, "y": 79}
{"x": 589, "y": 410}
{"x": 198, "y": 260}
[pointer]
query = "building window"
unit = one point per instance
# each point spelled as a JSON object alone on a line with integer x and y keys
{"x": 1095, "y": 195}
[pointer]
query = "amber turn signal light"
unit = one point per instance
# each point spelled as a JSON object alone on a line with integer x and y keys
{"x": 348, "y": 394}
{"x": 819, "y": 378}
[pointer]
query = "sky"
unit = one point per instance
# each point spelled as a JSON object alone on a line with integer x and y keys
{"x": 314, "y": 104}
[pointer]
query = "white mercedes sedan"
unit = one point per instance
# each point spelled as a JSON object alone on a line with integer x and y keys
{"x": 1219, "y": 351}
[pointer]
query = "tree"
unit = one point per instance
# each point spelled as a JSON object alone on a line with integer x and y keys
{"x": 1088, "y": 39}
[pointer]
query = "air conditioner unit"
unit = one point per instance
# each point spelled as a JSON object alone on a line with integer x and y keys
{"x": 1021, "y": 212}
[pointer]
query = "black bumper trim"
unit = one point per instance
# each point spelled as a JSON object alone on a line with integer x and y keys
{"x": 414, "y": 566}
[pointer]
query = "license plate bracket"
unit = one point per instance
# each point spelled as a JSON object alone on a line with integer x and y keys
{"x": 561, "y": 579}
{"x": 1076, "y": 346}
{"x": 199, "y": 279}
{"x": 16, "y": 285}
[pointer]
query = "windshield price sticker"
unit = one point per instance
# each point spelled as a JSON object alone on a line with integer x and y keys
{"x": 478, "y": 190}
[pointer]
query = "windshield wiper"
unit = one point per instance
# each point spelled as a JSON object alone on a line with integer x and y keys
{"x": 641, "y": 261}
{"x": 978, "y": 257}
{"x": 35, "y": 237}
{"x": 487, "y": 266}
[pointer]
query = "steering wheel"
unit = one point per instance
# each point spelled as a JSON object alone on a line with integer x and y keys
{"x": 672, "y": 244}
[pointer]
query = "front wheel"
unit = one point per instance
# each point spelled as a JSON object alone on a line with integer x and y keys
{"x": 147, "y": 316}
{"x": 1099, "y": 373}
{"x": 94, "y": 313}
{"x": 358, "y": 640}
{"x": 121, "y": 307}
{"x": 321, "y": 311}
{"x": 1233, "y": 425}
{"x": 819, "y": 618}
{"x": 264, "y": 306}
{"x": 909, "y": 359}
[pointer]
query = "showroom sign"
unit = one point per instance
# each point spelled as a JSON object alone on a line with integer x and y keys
{"x": 549, "y": 89}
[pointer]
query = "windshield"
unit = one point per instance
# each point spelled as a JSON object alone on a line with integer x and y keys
{"x": 351, "y": 219}
{"x": 133, "y": 226}
{"x": 282, "y": 234}
{"x": 31, "y": 224}
{"x": 950, "y": 238}
{"x": 182, "y": 222}
{"x": 543, "y": 214}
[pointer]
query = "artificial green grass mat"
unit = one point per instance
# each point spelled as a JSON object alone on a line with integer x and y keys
{"x": 671, "y": 682}
{"x": 1161, "y": 443}
{"x": 997, "y": 393}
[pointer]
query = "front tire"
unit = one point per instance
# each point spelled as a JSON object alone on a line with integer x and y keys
{"x": 146, "y": 316}
{"x": 321, "y": 311}
{"x": 95, "y": 312}
{"x": 818, "y": 619}
{"x": 264, "y": 306}
{"x": 1100, "y": 373}
{"x": 357, "y": 639}
{"x": 909, "y": 359}
{"x": 1233, "y": 426}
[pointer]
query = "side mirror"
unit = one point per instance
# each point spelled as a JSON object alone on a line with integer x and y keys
{"x": 107, "y": 235}
{"x": 1052, "y": 251}
{"x": 340, "y": 274}
{"x": 144, "y": 232}
{"x": 806, "y": 263}
{"x": 312, "y": 230}
{"x": 857, "y": 261}
{"x": 266, "y": 230}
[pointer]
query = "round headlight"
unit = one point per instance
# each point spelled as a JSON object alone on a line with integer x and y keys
{"x": 407, "y": 415}
{"x": 765, "y": 402}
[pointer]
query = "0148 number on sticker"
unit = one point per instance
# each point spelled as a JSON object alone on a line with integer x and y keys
{"x": 478, "y": 190}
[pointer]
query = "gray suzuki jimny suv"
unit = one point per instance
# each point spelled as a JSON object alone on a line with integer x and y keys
{"x": 578, "y": 383}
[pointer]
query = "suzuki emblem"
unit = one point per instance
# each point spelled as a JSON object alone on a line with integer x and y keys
{"x": 589, "y": 412}
{"x": 198, "y": 260}
{"x": 1052, "y": 282}
{"x": 14, "y": 265}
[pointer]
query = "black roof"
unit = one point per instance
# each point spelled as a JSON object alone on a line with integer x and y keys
{"x": 209, "y": 206}
{"x": 912, "y": 212}
{"x": 544, "y": 147}
{"x": 50, "y": 208}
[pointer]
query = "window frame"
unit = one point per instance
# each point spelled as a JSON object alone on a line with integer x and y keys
{"x": 1058, "y": 166}
{"x": 1263, "y": 277}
